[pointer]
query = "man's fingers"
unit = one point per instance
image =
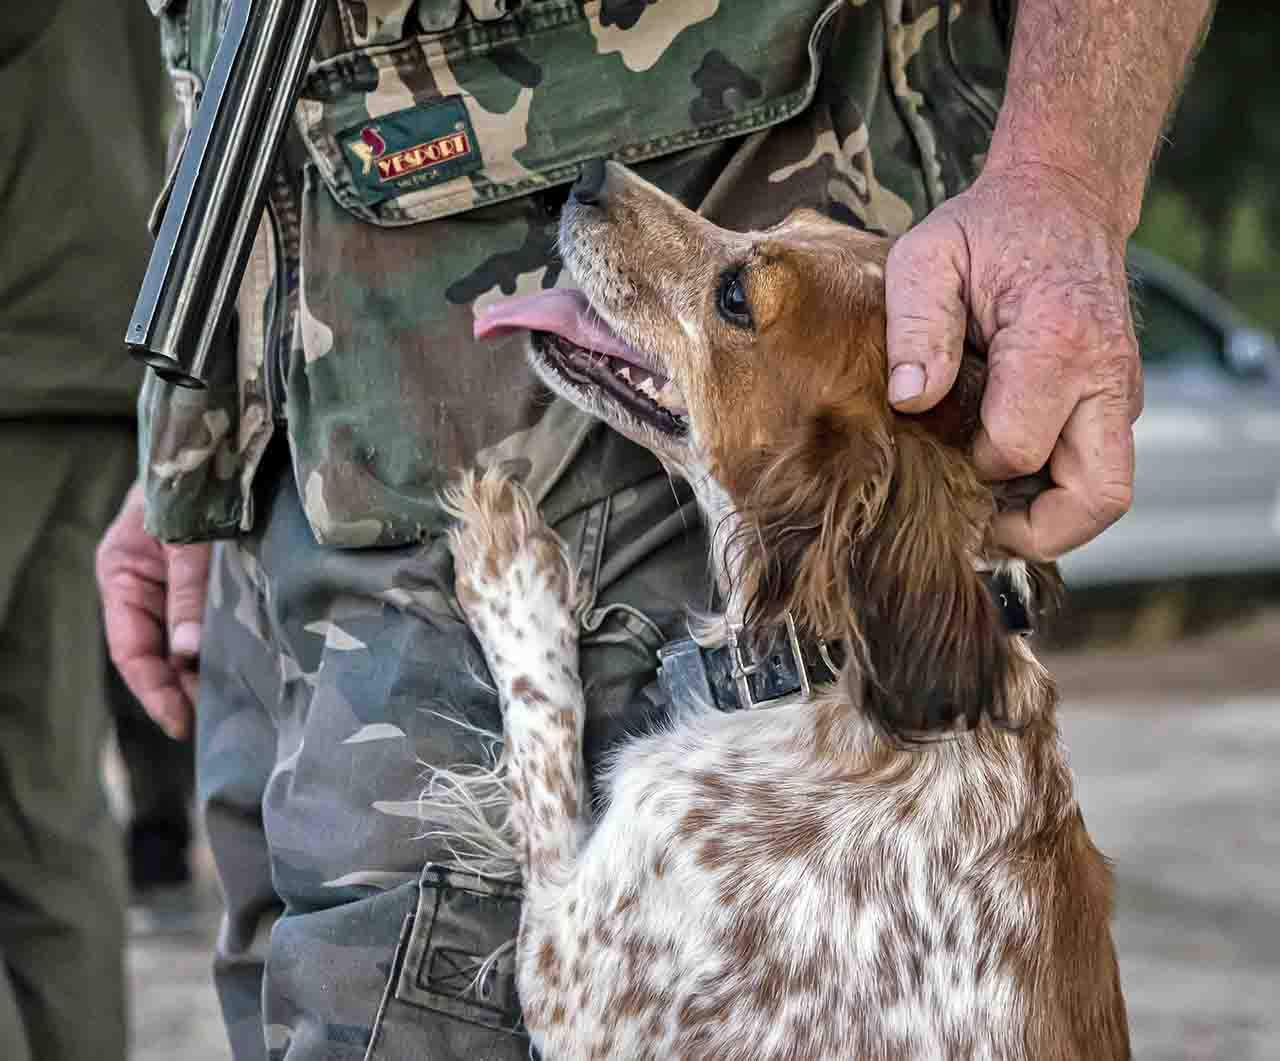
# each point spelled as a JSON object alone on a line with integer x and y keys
{"x": 132, "y": 608}
{"x": 156, "y": 684}
{"x": 1009, "y": 450}
{"x": 925, "y": 279}
{"x": 188, "y": 577}
{"x": 133, "y": 579}
{"x": 136, "y": 642}
{"x": 1024, "y": 408}
{"x": 1092, "y": 469}
{"x": 189, "y": 681}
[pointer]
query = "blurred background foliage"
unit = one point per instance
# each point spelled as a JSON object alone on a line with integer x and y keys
{"x": 1214, "y": 202}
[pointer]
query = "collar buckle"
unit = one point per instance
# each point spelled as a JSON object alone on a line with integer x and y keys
{"x": 743, "y": 666}
{"x": 731, "y": 677}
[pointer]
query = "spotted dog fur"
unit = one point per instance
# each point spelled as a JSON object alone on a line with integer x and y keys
{"x": 514, "y": 582}
{"x": 892, "y": 868}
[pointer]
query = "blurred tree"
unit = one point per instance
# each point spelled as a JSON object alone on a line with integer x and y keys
{"x": 1218, "y": 170}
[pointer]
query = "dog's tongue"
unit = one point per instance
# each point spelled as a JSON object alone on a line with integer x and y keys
{"x": 564, "y": 312}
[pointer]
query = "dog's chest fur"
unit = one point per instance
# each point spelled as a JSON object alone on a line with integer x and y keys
{"x": 739, "y": 901}
{"x": 780, "y": 883}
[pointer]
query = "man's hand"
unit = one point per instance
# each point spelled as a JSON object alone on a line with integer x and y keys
{"x": 1031, "y": 261}
{"x": 153, "y": 605}
{"x": 1028, "y": 263}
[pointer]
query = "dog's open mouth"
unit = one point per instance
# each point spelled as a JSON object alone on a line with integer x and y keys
{"x": 571, "y": 340}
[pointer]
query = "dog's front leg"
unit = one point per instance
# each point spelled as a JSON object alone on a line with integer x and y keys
{"x": 515, "y": 584}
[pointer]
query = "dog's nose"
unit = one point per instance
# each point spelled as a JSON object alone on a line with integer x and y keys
{"x": 589, "y": 187}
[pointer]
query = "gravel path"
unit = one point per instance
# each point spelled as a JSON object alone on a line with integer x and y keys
{"x": 1175, "y": 754}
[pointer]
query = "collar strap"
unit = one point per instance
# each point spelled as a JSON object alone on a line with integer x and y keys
{"x": 733, "y": 676}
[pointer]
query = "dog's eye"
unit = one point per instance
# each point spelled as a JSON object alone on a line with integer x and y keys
{"x": 733, "y": 301}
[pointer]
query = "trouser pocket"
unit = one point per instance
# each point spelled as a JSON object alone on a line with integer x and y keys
{"x": 452, "y": 989}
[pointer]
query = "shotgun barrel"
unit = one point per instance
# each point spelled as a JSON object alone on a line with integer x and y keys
{"x": 220, "y": 186}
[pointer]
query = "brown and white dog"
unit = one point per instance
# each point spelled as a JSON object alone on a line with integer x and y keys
{"x": 893, "y": 866}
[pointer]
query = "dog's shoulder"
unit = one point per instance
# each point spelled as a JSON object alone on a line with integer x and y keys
{"x": 739, "y": 882}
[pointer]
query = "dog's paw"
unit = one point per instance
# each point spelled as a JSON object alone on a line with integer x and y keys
{"x": 512, "y": 575}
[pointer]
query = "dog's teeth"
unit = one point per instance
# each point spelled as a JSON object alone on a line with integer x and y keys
{"x": 646, "y": 387}
{"x": 669, "y": 396}
{"x": 624, "y": 373}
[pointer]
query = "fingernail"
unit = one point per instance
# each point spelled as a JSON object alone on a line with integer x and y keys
{"x": 186, "y": 639}
{"x": 906, "y": 382}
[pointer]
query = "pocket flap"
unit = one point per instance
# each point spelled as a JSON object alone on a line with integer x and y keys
{"x": 492, "y": 110}
{"x": 461, "y": 958}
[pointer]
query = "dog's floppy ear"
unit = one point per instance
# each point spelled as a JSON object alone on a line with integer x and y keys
{"x": 806, "y": 502}
{"x": 866, "y": 528}
{"x": 933, "y": 647}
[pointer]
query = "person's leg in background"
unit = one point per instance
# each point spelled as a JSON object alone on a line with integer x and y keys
{"x": 62, "y": 985}
{"x": 161, "y": 779}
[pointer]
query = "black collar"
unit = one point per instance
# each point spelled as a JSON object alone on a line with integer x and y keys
{"x": 735, "y": 675}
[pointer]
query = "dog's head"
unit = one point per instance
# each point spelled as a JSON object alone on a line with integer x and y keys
{"x": 758, "y": 359}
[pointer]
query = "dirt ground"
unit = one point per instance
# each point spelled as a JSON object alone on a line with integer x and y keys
{"x": 1174, "y": 750}
{"x": 1174, "y": 754}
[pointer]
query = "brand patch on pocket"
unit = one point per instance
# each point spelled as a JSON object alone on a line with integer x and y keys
{"x": 411, "y": 149}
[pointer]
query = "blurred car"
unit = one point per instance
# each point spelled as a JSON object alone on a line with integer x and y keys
{"x": 1207, "y": 492}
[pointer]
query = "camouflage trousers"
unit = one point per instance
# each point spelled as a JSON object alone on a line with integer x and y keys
{"x": 329, "y": 679}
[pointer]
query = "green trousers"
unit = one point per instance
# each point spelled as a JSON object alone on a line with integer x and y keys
{"x": 62, "y": 987}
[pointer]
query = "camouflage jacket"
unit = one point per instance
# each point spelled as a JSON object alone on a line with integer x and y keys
{"x": 430, "y": 149}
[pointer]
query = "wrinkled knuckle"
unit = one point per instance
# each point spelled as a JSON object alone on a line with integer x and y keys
{"x": 1031, "y": 544}
{"x": 1039, "y": 552}
{"x": 915, "y": 247}
{"x": 901, "y": 268}
{"x": 1018, "y": 454}
{"x": 1110, "y": 502}
{"x": 1120, "y": 369}
{"x": 185, "y": 599}
{"x": 902, "y": 251}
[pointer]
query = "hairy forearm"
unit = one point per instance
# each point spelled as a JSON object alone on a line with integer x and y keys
{"x": 1091, "y": 83}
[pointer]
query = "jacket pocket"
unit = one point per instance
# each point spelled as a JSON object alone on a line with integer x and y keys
{"x": 452, "y": 990}
{"x": 494, "y": 108}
